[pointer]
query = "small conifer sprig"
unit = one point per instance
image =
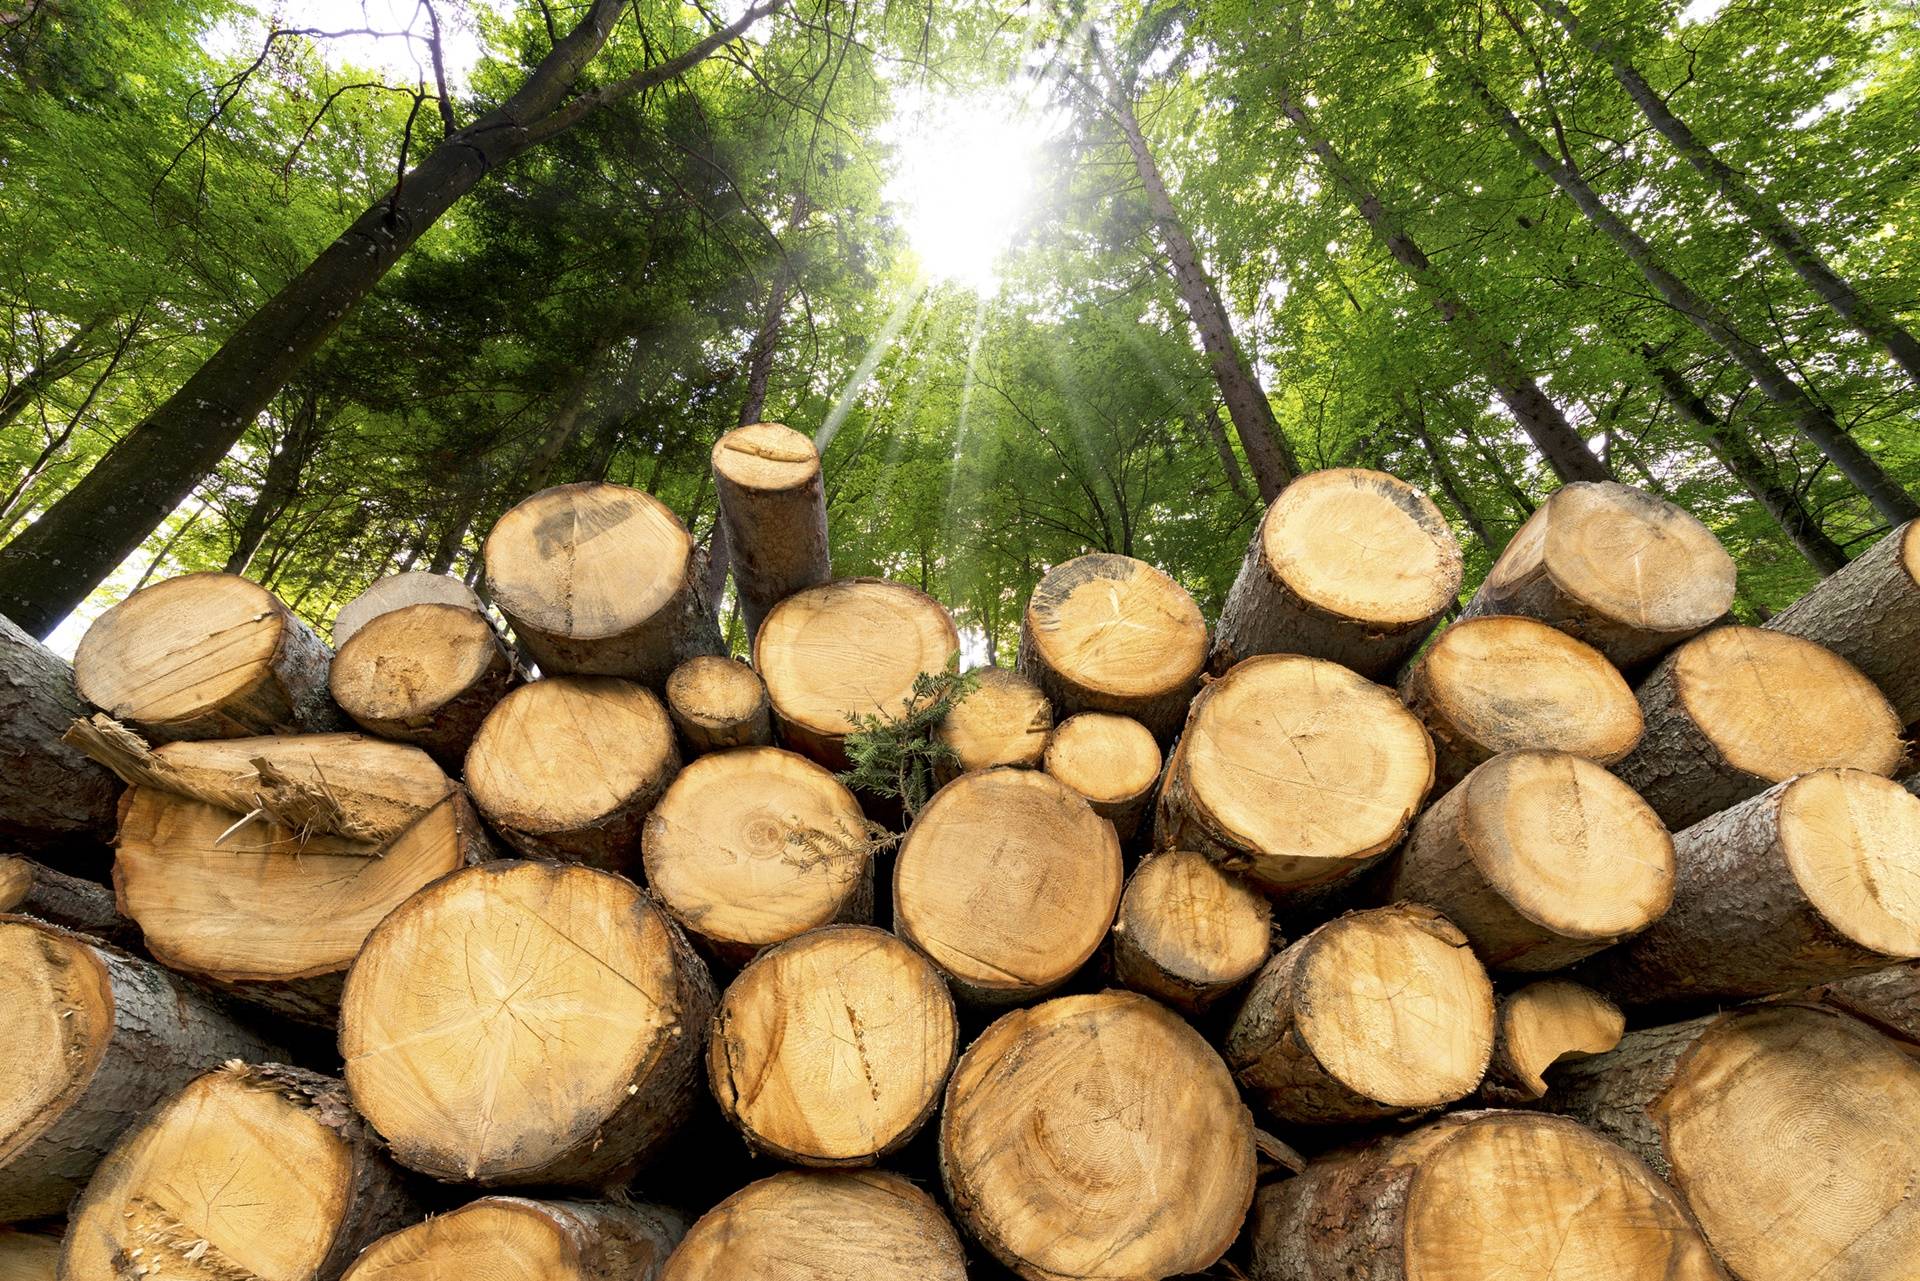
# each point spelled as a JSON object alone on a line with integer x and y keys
{"x": 895, "y": 755}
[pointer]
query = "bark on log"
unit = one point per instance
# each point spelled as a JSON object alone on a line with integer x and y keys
{"x": 1187, "y": 932}
{"x": 766, "y": 478}
{"x": 1010, "y": 918}
{"x": 399, "y": 591}
{"x": 1869, "y": 614}
{"x": 1889, "y": 999}
{"x": 526, "y": 1023}
{"x": 822, "y": 1226}
{"x": 90, "y": 1038}
{"x": 1815, "y": 879}
{"x": 249, "y": 1171}
{"x": 717, "y": 703}
{"x": 514, "y": 1237}
{"x": 1105, "y": 633}
{"x": 568, "y": 768}
{"x": 1111, "y": 760}
{"x": 1503, "y": 684}
{"x": 1262, "y": 785}
{"x": 754, "y": 846}
{"x": 1005, "y": 721}
{"x": 1348, "y": 565}
{"x": 778, "y": 1060}
{"x": 423, "y": 674}
{"x": 1552, "y": 1021}
{"x": 1513, "y": 1195}
{"x": 32, "y": 889}
{"x": 1792, "y": 1132}
{"x": 1148, "y": 1151}
{"x": 1374, "y": 1014}
{"x": 601, "y": 580}
{"x": 1733, "y": 712}
{"x": 53, "y": 800}
{"x": 206, "y": 656}
{"x": 845, "y": 650}
{"x": 1541, "y": 859}
{"x": 1629, "y": 574}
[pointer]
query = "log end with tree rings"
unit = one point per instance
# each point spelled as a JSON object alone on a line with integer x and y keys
{"x": 1262, "y": 784}
{"x": 1479, "y": 1196}
{"x": 399, "y": 591}
{"x": 1187, "y": 932}
{"x": 1095, "y": 1137}
{"x": 836, "y": 653}
{"x": 1107, "y": 633}
{"x": 755, "y": 845}
{"x": 831, "y": 1049}
{"x": 569, "y": 767}
{"x": 1544, "y": 1023}
{"x": 600, "y": 580}
{"x": 717, "y": 703}
{"x": 1628, "y": 573}
{"x": 1350, "y": 565}
{"x": 1502, "y": 683}
{"x": 247, "y": 1172}
{"x": 766, "y": 478}
{"x": 1111, "y": 760}
{"x": 1541, "y": 859}
{"x": 526, "y": 1023}
{"x": 205, "y": 656}
{"x": 1004, "y": 721}
{"x": 1010, "y": 917}
{"x": 425, "y": 674}
{"x": 808, "y": 1224}
{"x": 510, "y": 1238}
{"x": 1734, "y": 711}
{"x": 1373, "y": 1014}
{"x": 1869, "y": 614}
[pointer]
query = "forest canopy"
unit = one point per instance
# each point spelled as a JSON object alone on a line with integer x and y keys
{"x": 314, "y": 292}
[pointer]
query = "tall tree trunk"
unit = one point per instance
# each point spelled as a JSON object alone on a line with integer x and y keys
{"x": 281, "y": 482}
{"x": 1814, "y": 420}
{"x": 59, "y": 362}
{"x": 564, "y": 425}
{"x": 1448, "y": 479}
{"x": 11, "y": 505}
{"x": 1563, "y": 448}
{"x": 53, "y": 564}
{"x": 1208, "y": 426}
{"x": 447, "y": 547}
{"x": 1867, "y": 319}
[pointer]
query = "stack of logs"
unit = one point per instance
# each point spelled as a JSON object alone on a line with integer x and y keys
{"x": 1575, "y": 939}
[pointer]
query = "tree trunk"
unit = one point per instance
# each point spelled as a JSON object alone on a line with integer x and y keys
{"x": 1449, "y": 481}
{"x": 281, "y": 482}
{"x": 58, "y": 363}
{"x": 423, "y": 674}
{"x": 1006, "y": 720}
{"x": 1208, "y": 427}
{"x": 515, "y": 1237}
{"x": 52, "y": 565}
{"x": 1188, "y": 933}
{"x": 1562, "y": 447}
{"x": 564, "y": 425}
{"x": 1889, "y": 999}
{"x": 772, "y": 519}
{"x": 874, "y": 1225}
{"x": 1869, "y": 614}
{"x": 53, "y": 800}
{"x": 32, "y": 889}
{"x": 717, "y": 703}
{"x": 1112, "y": 761}
{"x": 12, "y": 507}
{"x": 1540, "y": 1025}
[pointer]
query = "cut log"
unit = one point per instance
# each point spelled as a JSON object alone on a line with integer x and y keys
{"x": 206, "y": 656}
{"x": 568, "y": 768}
{"x": 1739, "y": 709}
{"x": 1008, "y": 881}
{"x": 90, "y": 1038}
{"x": 1889, "y": 999}
{"x": 1815, "y": 879}
{"x": 1541, "y": 859}
{"x": 1628, "y": 573}
{"x": 53, "y": 800}
{"x": 247, "y": 1172}
{"x": 717, "y": 703}
{"x": 1508, "y": 684}
{"x": 1097, "y": 1137}
{"x": 756, "y": 845}
{"x": 767, "y": 480}
{"x": 1869, "y": 614}
{"x": 831, "y": 1049}
{"x": 1106, "y": 633}
{"x": 1004, "y": 721}
{"x": 1349, "y": 565}
{"x": 601, "y": 580}
{"x": 822, "y": 1226}
{"x": 526, "y": 1023}
{"x": 1189, "y": 933}
{"x": 845, "y": 650}
{"x": 1294, "y": 772}
{"x": 1477, "y": 1196}
{"x": 28, "y": 1256}
{"x": 510, "y": 1238}
{"x": 423, "y": 674}
{"x": 1372, "y": 1015}
{"x": 1111, "y": 760}
{"x": 1552, "y": 1021}
{"x": 400, "y": 591}
{"x": 1792, "y": 1132}
{"x": 32, "y": 889}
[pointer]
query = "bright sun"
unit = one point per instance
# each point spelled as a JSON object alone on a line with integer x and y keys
{"x": 964, "y": 181}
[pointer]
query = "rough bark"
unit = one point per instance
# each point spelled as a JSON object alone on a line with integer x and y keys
{"x": 53, "y": 800}
{"x": 1869, "y": 614}
{"x": 766, "y": 479}
{"x": 1889, "y": 999}
{"x": 32, "y": 889}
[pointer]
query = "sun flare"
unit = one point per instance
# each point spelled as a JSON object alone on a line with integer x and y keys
{"x": 964, "y": 183}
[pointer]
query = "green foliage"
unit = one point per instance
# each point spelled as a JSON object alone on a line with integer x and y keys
{"x": 894, "y": 755}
